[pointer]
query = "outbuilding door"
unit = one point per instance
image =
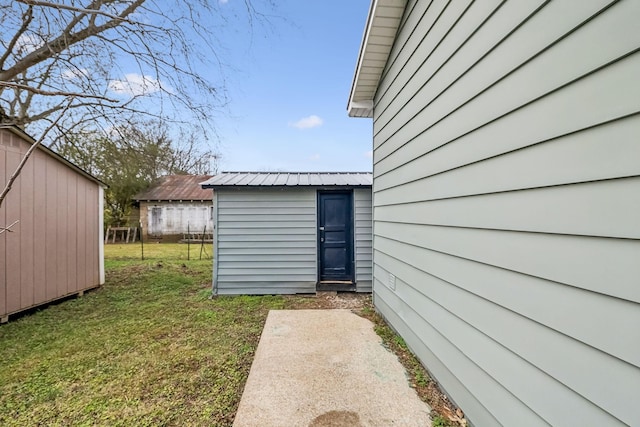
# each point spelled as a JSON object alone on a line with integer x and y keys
{"x": 335, "y": 237}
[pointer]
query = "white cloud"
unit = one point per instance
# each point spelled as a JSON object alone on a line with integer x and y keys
{"x": 27, "y": 43}
{"x": 369, "y": 154}
{"x": 74, "y": 73}
{"x": 135, "y": 84}
{"x": 223, "y": 1}
{"x": 315, "y": 157}
{"x": 307, "y": 122}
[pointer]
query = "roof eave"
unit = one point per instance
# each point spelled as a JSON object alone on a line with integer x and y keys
{"x": 283, "y": 186}
{"x": 17, "y": 130}
{"x": 361, "y": 97}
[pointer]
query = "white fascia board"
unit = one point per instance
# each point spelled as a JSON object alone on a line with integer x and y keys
{"x": 360, "y": 102}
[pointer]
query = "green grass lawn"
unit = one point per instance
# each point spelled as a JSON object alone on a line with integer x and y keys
{"x": 147, "y": 348}
{"x": 174, "y": 251}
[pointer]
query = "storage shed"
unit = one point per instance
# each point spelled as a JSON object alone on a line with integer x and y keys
{"x": 507, "y": 201}
{"x": 174, "y": 206}
{"x": 55, "y": 249}
{"x": 294, "y": 232}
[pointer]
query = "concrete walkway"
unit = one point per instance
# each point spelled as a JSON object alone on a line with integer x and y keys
{"x": 326, "y": 368}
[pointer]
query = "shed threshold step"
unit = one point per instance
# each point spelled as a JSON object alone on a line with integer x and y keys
{"x": 336, "y": 282}
{"x": 336, "y": 285}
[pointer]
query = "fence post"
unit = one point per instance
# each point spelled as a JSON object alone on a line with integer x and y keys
{"x": 202, "y": 243}
{"x": 141, "y": 239}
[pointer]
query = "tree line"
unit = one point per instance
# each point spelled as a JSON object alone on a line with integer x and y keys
{"x": 132, "y": 157}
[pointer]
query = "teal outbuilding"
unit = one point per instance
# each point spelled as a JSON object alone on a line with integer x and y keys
{"x": 291, "y": 232}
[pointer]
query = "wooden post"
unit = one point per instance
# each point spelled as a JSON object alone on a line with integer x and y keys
{"x": 141, "y": 239}
{"x": 188, "y": 241}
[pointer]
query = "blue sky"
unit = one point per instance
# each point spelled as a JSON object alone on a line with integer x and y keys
{"x": 289, "y": 89}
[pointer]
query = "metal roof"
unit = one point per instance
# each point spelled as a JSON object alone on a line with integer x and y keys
{"x": 289, "y": 179}
{"x": 176, "y": 187}
{"x": 379, "y": 34}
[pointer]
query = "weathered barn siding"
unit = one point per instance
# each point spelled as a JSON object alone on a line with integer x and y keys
{"x": 363, "y": 238}
{"x": 266, "y": 241}
{"x": 507, "y": 205}
{"x": 55, "y": 250}
{"x": 164, "y": 218}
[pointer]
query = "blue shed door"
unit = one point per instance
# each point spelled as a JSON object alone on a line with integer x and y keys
{"x": 335, "y": 236}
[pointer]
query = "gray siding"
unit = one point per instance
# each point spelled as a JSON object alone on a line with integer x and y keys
{"x": 363, "y": 238}
{"x": 507, "y": 206}
{"x": 266, "y": 241}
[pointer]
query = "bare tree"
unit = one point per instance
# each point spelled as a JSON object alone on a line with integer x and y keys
{"x": 107, "y": 62}
{"x": 110, "y": 55}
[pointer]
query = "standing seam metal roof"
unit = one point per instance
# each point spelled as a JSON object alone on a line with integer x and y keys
{"x": 289, "y": 179}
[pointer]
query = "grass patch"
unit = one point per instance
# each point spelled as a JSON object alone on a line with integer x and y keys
{"x": 150, "y": 348}
{"x": 147, "y": 348}
{"x": 155, "y": 251}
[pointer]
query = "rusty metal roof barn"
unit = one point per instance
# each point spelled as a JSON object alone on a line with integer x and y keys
{"x": 177, "y": 187}
{"x": 289, "y": 179}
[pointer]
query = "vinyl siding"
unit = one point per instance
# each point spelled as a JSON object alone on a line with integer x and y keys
{"x": 363, "y": 239}
{"x": 507, "y": 206}
{"x": 266, "y": 241}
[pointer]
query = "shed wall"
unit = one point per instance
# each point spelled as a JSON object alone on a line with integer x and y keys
{"x": 507, "y": 206}
{"x": 363, "y": 238}
{"x": 54, "y": 250}
{"x": 266, "y": 241}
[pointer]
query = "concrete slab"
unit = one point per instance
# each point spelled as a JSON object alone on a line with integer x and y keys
{"x": 326, "y": 368}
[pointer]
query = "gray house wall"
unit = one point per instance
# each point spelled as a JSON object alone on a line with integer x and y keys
{"x": 507, "y": 206}
{"x": 266, "y": 241}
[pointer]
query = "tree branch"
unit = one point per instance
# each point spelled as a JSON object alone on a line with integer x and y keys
{"x": 27, "y": 17}
{"x": 63, "y": 42}
{"x": 89, "y": 11}
{"x": 8, "y": 227}
{"x": 55, "y": 93}
{"x": 31, "y": 149}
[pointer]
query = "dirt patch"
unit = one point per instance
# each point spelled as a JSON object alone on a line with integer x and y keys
{"x": 329, "y": 300}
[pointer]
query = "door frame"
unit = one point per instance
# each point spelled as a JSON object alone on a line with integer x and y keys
{"x": 334, "y": 285}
